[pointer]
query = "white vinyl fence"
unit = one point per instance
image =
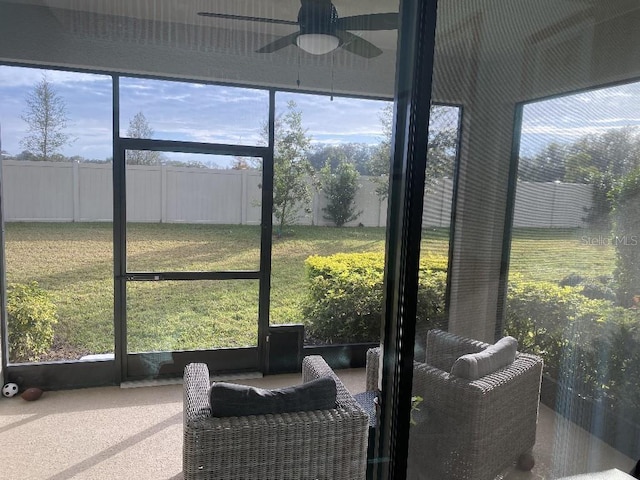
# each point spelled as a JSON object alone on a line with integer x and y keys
{"x": 83, "y": 192}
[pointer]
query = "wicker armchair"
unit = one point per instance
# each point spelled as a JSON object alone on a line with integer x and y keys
{"x": 321, "y": 444}
{"x": 468, "y": 429}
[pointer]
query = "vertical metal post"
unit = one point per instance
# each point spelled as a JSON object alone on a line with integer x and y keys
{"x": 4, "y": 330}
{"x": 266, "y": 238}
{"x": 508, "y": 222}
{"x": 119, "y": 241}
{"x": 414, "y": 66}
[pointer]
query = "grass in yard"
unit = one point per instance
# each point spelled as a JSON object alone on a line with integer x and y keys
{"x": 540, "y": 254}
{"x": 191, "y": 315}
{"x": 74, "y": 262}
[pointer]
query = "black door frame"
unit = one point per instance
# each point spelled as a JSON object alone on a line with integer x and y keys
{"x": 142, "y": 365}
{"x": 412, "y": 100}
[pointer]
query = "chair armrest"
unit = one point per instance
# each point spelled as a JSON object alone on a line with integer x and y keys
{"x": 314, "y": 366}
{"x": 322, "y": 444}
{"x": 197, "y": 403}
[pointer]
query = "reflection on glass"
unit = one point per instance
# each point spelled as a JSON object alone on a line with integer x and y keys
{"x": 573, "y": 283}
{"x": 568, "y": 233}
{"x": 191, "y": 315}
{"x": 444, "y": 134}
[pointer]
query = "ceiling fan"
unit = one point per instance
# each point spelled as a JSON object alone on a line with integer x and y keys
{"x": 322, "y": 31}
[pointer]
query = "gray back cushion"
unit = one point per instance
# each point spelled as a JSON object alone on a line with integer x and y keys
{"x": 476, "y": 365}
{"x": 231, "y": 400}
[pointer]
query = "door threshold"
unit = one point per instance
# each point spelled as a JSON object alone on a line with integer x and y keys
{"x": 158, "y": 382}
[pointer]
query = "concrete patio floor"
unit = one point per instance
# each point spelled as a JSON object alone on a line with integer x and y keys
{"x": 121, "y": 433}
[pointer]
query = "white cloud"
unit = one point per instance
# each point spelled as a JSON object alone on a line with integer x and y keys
{"x": 27, "y": 77}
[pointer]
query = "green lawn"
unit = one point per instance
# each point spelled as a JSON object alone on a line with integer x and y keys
{"x": 73, "y": 261}
{"x": 541, "y": 254}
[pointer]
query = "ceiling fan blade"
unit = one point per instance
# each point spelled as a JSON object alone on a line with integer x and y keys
{"x": 247, "y": 18}
{"x": 279, "y": 43}
{"x": 315, "y": 3}
{"x": 358, "y": 45}
{"x": 373, "y": 21}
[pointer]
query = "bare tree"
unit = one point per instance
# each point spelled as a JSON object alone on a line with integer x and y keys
{"x": 46, "y": 118}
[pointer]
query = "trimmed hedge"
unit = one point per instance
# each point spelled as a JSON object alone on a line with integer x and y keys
{"x": 345, "y": 297}
{"x": 589, "y": 345}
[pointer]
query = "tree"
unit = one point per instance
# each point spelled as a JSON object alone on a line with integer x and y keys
{"x": 548, "y": 165}
{"x": 579, "y": 168}
{"x": 359, "y": 154}
{"x": 599, "y": 213}
{"x": 615, "y": 151}
{"x": 188, "y": 163}
{"x": 240, "y": 163}
{"x": 291, "y": 168}
{"x": 26, "y": 156}
{"x": 381, "y": 158}
{"x": 340, "y": 187}
{"x": 46, "y": 119}
{"x": 442, "y": 143}
{"x": 598, "y": 159}
{"x": 139, "y": 128}
{"x": 441, "y": 147}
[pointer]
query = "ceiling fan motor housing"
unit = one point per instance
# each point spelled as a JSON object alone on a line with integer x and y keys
{"x": 317, "y": 17}
{"x": 321, "y": 31}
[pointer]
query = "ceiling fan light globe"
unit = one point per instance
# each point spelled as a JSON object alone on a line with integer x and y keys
{"x": 317, "y": 43}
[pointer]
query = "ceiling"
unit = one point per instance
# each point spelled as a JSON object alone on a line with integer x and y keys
{"x": 533, "y": 48}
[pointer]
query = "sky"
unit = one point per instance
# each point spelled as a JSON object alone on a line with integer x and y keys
{"x": 211, "y": 113}
{"x": 176, "y": 111}
{"x": 568, "y": 118}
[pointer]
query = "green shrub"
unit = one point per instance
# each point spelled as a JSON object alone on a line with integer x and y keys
{"x": 537, "y": 315}
{"x": 626, "y": 230}
{"x": 607, "y": 366}
{"x": 340, "y": 186}
{"x": 345, "y": 299}
{"x": 589, "y": 346}
{"x": 31, "y": 317}
{"x": 597, "y": 288}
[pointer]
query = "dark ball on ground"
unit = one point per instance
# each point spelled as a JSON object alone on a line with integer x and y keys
{"x": 526, "y": 462}
{"x": 31, "y": 394}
